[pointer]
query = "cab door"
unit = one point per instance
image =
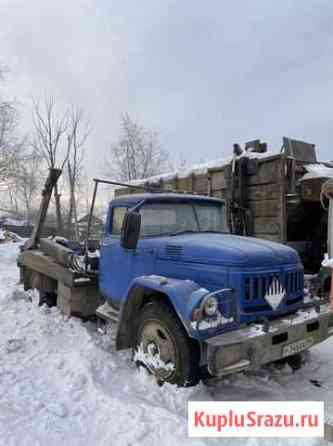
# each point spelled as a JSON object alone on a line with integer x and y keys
{"x": 116, "y": 263}
{"x": 145, "y": 257}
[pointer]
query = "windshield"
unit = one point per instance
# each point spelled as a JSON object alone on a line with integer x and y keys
{"x": 174, "y": 218}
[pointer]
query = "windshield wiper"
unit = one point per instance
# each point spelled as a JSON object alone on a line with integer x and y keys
{"x": 190, "y": 231}
{"x": 183, "y": 231}
{"x": 214, "y": 232}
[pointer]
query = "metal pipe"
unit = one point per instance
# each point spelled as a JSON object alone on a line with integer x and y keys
{"x": 327, "y": 191}
{"x": 143, "y": 187}
{"x": 114, "y": 183}
{"x": 331, "y": 294}
{"x": 91, "y": 213}
{"x": 59, "y": 253}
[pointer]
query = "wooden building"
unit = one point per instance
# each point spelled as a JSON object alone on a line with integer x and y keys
{"x": 271, "y": 196}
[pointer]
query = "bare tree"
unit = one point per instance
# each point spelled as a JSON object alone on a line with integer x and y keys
{"x": 28, "y": 182}
{"x": 50, "y": 128}
{"x": 12, "y": 148}
{"x": 138, "y": 153}
{"x": 77, "y": 137}
{"x": 10, "y": 145}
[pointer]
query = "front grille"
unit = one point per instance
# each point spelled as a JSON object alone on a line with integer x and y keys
{"x": 257, "y": 286}
{"x": 174, "y": 251}
{"x": 294, "y": 282}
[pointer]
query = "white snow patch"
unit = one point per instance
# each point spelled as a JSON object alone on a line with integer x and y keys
{"x": 7, "y": 236}
{"x": 14, "y": 222}
{"x": 215, "y": 322}
{"x": 327, "y": 262}
{"x": 318, "y": 171}
{"x": 301, "y": 316}
{"x": 152, "y": 361}
{"x": 58, "y": 239}
{"x": 197, "y": 169}
{"x": 82, "y": 280}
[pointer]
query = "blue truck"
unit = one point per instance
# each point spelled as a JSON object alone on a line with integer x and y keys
{"x": 189, "y": 298}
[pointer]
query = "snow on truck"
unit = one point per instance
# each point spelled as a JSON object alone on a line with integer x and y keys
{"x": 187, "y": 296}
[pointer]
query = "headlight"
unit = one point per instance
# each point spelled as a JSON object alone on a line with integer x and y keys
{"x": 210, "y": 306}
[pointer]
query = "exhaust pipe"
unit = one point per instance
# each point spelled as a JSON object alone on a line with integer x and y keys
{"x": 331, "y": 294}
{"x": 57, "y": 252}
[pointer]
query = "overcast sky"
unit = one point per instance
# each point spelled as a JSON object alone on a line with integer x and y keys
{"x": 205, "y": 74}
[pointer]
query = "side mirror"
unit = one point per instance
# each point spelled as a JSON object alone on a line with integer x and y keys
{"x": 130, "y": 230}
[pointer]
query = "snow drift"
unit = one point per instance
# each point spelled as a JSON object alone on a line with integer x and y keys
{"x": 62, "y": 383}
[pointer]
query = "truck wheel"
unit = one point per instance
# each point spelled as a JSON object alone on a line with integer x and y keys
{"x": 48, "y": 298}
{"x": 163, "y": 347}
{"x": 295, "y": 362}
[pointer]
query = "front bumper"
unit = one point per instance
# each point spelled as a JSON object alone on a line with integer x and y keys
{"x": 254, "y": 345}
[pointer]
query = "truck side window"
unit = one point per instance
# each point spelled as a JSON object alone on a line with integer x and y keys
{"x": 118, "y": 214}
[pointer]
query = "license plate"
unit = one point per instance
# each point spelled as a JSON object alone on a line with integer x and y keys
{"x": 296, "y": 347}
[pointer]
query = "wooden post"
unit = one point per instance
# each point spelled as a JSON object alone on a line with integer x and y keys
{"x": 328, "y": 432}
{"x": 50, "y": 184}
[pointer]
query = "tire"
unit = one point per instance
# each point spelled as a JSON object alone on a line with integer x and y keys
{"x": 48, "y": 298}
{"x": 295, "y": 362}
{"x": 161, "y": 336}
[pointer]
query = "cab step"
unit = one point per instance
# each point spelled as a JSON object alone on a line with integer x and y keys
{"x": 108, "y": 313}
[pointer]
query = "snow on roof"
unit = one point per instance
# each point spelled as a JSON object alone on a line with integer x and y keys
{"x": 321, "y": 170}
{"x": 197, "y": 169}
{"x": 318, "y": 170}
{"x": 14, "y": 222}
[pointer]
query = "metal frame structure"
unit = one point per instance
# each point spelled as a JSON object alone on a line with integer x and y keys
{"x": 98, "y": 181}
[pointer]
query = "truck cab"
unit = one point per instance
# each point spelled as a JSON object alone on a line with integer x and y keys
{"x": 189, "y": 296}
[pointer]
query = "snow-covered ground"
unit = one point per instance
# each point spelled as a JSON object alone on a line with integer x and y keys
{"x": 61, "y": 383}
